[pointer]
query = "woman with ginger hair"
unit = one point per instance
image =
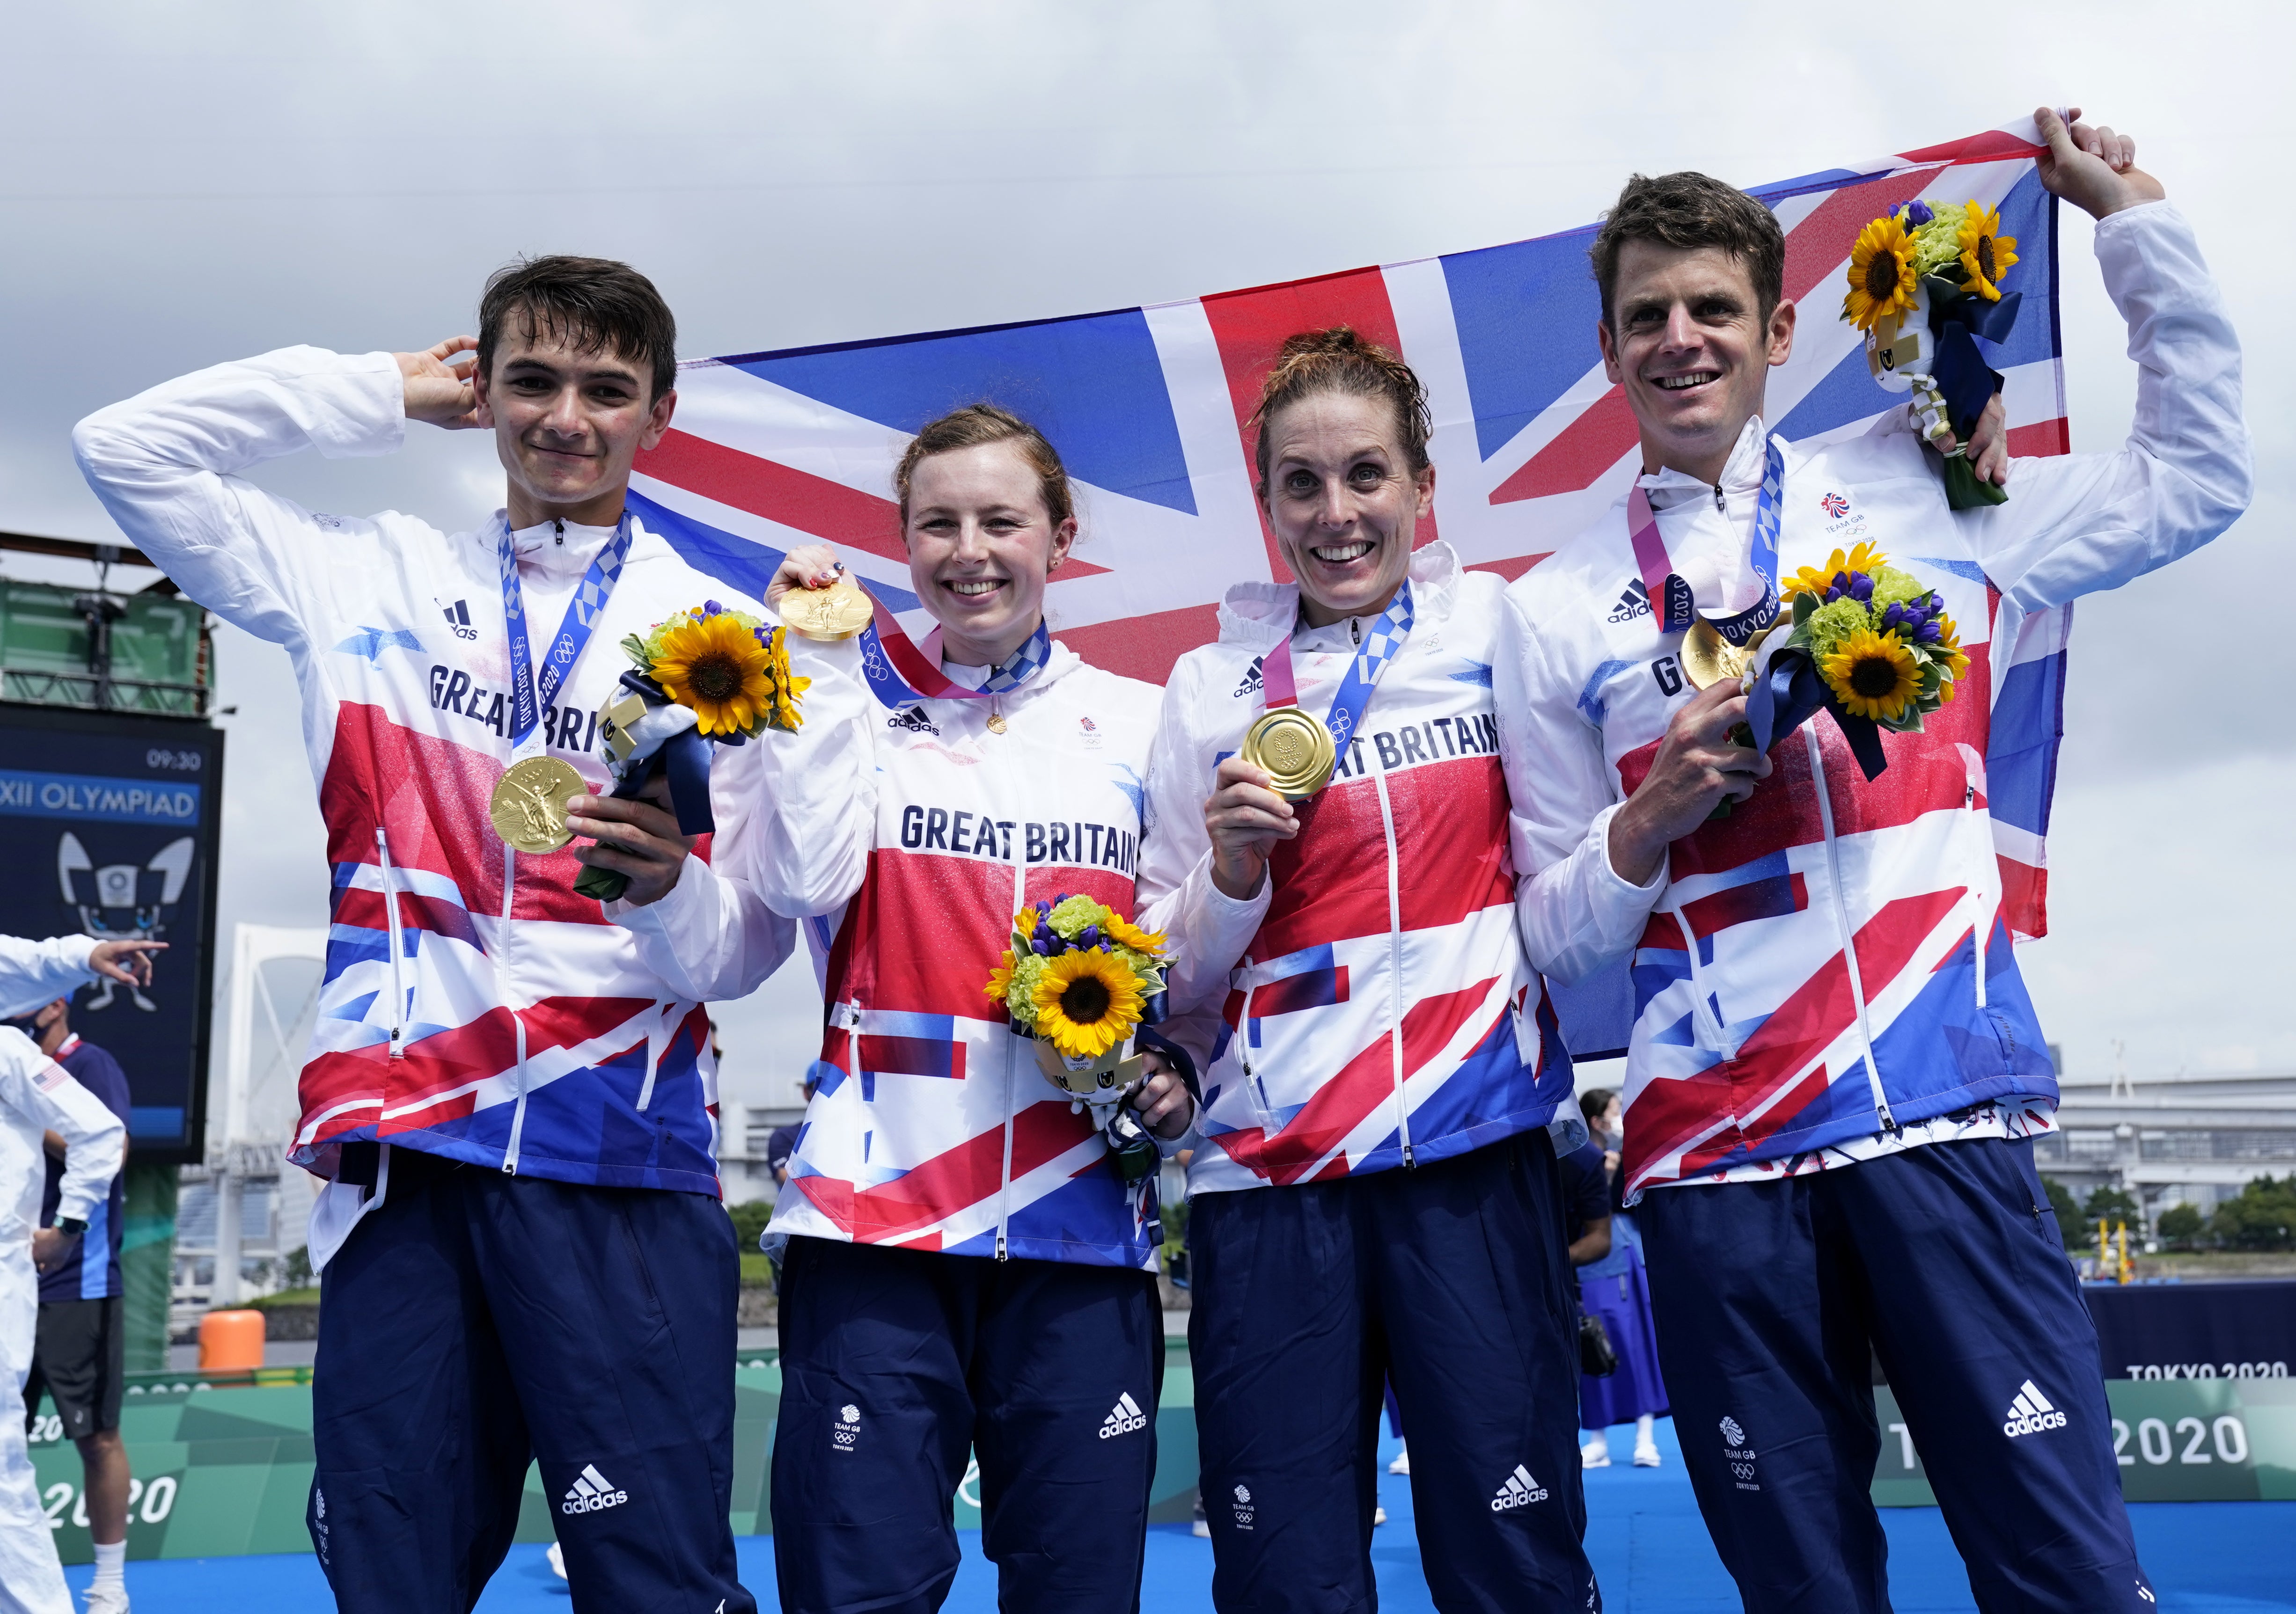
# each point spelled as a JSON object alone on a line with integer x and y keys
{"x": 1375, "y": 1193}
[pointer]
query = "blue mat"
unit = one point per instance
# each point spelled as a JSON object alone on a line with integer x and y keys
{"x": 1643, "y": 1532}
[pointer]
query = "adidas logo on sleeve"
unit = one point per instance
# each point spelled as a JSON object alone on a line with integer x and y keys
{"x": 2030, "y": 1412}
{"x": 1125, "y": 1418}
{"x": 1520, "y": 1491}
{"x": 592, "y": 1491}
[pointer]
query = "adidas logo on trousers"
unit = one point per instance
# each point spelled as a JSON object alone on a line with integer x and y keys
{"x": 2030, "y": 1412}
{"x": 592, "y": 1491}
{"x": 1520, "y": 1491}
{"x": 1127, "y": 1417}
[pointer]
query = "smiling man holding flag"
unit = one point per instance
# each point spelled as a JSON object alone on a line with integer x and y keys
{"x": 1835, "y": 1068}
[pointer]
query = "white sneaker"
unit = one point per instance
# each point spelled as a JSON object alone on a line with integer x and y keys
{"x": 1402, "y": 1464}
{"x": 557, "y": 1560}
{"x": 1200, "y": 1526}
{"x": 106, "y": 1600}
{"x": 1647, "y": 1457}
{"x": 1378, "y": 1515}
{"x": 1595, "y": 1456}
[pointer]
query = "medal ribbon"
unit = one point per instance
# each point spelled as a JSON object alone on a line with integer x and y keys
{"x": 901, "y": 675}
{"x": 1670, "y": 594}
{"x": 528, "y": 695}
{"x": 1379, "y": 648}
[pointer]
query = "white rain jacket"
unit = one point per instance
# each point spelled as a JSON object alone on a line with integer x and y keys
{"x": 37, "y": 1096}
{"x": 535, "y": 1038}
{"x": 1380, "y": 1012}
{"x": 913, "y": 837}
{"x": 1823, "y": 976}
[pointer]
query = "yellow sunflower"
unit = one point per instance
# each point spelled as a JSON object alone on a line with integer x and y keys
{"x": 1881, "y": 273}
{"x": 1000, "y": 979}
{"x": 1949, "y": 647}
{"x": 1127, "y": 934}
{"x": 716, "y": 666}
{"x": 1086, "y": 1003}
{"x": 786, "y": 685}
{"x": 1986, "y": 254}
{"x": 1818, "y": 580}
{"x": 1872, "y": 675}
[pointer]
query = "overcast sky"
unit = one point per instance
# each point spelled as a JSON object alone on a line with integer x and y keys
{"x": 191, "y": 185}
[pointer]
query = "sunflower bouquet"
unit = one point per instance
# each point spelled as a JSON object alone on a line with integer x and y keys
{"x": 706, "y": 674}
{"x": 1079, "y": 978}
{"x": 1924, "y": 283}
{"x": 727, "y": 665}
{"x": 1867, "y": 642}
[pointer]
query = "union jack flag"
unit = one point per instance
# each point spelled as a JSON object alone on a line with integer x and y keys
{"x": 1148, "y": 408}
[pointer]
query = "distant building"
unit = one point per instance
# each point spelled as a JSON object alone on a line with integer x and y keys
{"x": 2176, "y": 1140}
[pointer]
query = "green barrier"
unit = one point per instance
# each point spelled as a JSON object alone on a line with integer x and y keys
{"x": 2178, "y": 1439}
{"x": 223, "y": 1463}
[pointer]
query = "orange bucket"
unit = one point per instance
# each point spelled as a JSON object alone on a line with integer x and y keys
{"x": 230, "y": 1341}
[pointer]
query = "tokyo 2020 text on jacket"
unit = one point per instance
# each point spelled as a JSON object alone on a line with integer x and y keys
{"x": 913, "y": 836}
{"x": 1824, "y": 975}
{"x": 1382, "y": 1012}
{"x": 533, "y": 1038}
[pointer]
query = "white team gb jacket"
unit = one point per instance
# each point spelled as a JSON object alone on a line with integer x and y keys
{"x": 1824, "y": 975}
{"x": 1382, "y": 1012}
{"x": 532, "y": 1036}
{"x": 37, "y": 1095}
{"x": 913, "y": 836}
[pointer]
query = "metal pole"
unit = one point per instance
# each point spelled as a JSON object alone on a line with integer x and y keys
{"x": 224, "y": 1291}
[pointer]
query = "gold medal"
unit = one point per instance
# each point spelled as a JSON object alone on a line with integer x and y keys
{"x": 1708, "y": 657}
{"x": 529, "y": 807}
{"x": 1294, "y": 749}
{"x": 826, "y": 615}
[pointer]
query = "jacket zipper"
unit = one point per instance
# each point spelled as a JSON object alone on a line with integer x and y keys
{"x": 1841, "y": 923}
{"x": 397, "y": 941}
{"x": 1981, "y": 925}
{"x": 517, "y": 1020}
{"x": 1395, "y": 963}
{"x": 1012, "y": 1054}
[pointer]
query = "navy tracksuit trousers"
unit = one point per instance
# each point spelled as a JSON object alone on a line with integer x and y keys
{"x": 475, "y": 1322}
{"x": 1450, "y": 1281}
{"x": 895, "y": 1362}
{"x": 1947, "y": 1261}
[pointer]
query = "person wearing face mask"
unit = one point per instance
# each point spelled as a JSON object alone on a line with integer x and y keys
{"x": 1375, "y": 1194}
{"x": 1836, "y": 1073}
{"x": 963, "y": 1263}
{"x": 39, "y": 1098}
{"x": 524, "y": 1253}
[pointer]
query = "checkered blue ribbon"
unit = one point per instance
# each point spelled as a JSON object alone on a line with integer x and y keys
{"x": 1378, "y": 647}
{"x": 899, "y": 675}
{"x": 528, "y": 695}
{"x": 1670, "y": 594}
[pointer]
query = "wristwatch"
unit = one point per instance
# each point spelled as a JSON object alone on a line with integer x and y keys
{"x": 71, "y": 1227}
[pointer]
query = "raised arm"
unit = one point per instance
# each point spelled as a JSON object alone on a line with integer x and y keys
{"x": 166, "y": 464}
{"x": 2075, "y": 524}
{"x": 805, "y": 847}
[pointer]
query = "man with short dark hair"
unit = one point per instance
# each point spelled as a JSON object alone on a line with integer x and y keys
{"x": 1835, "y": 1071}
{"x": 520, "y": 1237}
{"x": 79, "y": 1353}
